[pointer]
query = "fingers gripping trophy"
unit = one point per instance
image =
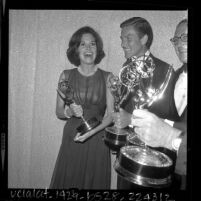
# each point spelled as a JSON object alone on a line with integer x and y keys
{"x": 137, "y": 162}
{"x": 66, "y": 92}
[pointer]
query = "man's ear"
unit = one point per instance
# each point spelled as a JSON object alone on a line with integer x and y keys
{"x": 144, "y": 39}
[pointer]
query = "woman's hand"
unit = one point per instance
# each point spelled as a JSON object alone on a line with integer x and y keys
{"x": 76, "y": 109}
{"x": 82, "y": 138}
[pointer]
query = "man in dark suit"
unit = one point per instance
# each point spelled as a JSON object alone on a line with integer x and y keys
{"x": 137, "y": 37}
{"x": 172, "y": 135}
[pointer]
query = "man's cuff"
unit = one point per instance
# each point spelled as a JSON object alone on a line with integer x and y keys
{"x": 177, "y": 141}
{"x": 171, "y": 123}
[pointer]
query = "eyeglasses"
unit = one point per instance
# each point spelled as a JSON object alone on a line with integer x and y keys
{"x": 183, "y": 38}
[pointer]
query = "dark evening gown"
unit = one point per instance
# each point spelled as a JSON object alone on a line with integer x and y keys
{"x": 84, "y": 165}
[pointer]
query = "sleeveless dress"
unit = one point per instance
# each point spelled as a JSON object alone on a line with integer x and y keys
{"x": 84, "y": 165}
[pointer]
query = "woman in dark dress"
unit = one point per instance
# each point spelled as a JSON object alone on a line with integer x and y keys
{"x": 84, "y": 160}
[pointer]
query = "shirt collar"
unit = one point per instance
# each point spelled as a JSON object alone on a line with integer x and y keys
{"x": 146, "y": 54}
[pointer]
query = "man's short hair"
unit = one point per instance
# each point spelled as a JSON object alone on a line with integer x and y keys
{"x": 142, "y": 27}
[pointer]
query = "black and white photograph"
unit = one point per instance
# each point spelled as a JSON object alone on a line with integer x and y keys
{"x": 97, "y": 99}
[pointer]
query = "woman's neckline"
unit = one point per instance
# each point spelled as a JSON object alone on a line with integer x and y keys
{"x": 87, "y": 75}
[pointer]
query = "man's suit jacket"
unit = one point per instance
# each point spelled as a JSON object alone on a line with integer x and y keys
{"x": 180, "y": 122}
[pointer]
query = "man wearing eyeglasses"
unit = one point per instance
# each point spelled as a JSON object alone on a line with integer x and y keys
{"x": 157, "y": 132}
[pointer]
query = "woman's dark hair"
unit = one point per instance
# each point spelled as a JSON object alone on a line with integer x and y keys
{"x": 142, "y": 27}
{"x": 72, "y": 53}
